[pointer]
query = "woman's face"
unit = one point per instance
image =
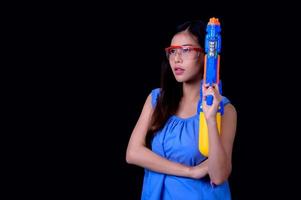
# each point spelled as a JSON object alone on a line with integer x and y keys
{"x": 185, "y": 57}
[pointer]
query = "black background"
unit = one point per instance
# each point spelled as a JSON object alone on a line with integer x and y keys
{"x": 96, "y": 64}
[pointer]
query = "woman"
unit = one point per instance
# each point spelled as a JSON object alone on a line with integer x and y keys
{"x": 174, "y": 167}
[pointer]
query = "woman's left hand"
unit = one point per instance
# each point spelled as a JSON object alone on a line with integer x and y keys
{"x": 210, "y": 111}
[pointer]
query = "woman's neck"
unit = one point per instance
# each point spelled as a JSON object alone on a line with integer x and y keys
{"x": 191, "y": 90}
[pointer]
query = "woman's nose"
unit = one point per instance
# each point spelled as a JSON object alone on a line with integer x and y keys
{"x": 178, "y": 57}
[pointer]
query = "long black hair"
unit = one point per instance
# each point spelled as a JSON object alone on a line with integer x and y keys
{"x": 171, "y": 90}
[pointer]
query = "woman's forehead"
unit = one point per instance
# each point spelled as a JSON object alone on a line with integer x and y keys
{"x": 184, "y": 38}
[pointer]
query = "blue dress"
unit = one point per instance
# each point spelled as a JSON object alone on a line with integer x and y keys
{"x": 178, "y": 141}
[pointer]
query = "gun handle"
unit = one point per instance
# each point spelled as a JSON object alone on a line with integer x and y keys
{"x": 203, "y": 133}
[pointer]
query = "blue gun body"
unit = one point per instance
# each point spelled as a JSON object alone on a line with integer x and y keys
{"x": 211, "y": 76}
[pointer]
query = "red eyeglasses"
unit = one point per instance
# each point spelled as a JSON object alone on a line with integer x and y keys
{"x": 186, "y": 52}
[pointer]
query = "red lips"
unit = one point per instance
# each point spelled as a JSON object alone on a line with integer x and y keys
{"x": 179, "y": 70}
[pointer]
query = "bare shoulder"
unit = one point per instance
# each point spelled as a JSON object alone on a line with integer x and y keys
{"x": 140, "y": 130}
{"x": 148, "y": 104}
{"x": 230, "y": 110}
{"x": 229, "y": 120}
{"x": 146, "y": 112}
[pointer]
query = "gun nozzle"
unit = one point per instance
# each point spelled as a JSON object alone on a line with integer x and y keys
{"x": 214, "y": 20}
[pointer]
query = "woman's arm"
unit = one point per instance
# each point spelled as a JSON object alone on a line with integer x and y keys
{"x": 138, "y": 154}
{"x": 220, "y": 146}
{"x": 220, "y": 152}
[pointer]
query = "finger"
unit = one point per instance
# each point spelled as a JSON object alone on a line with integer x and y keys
{"x": 215, "y": 91}
{"x": 207, "y": 85}
{"x": 210, "y": 90}
{"x": 207, "y": 92}
{"x": 216, "y": 86}
{"x": 217, "y": 97}
{"x": 204, "y": 103}
{"x": 203, "y": 86}
{"x": 204, "y": 89}
{"x": 204, "y": 97}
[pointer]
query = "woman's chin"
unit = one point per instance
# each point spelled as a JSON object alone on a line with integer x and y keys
{"x": 180, "y": 79}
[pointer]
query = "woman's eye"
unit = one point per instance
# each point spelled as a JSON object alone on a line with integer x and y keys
{"x": 172, "y": 51}
{"x": 186, "y": 50}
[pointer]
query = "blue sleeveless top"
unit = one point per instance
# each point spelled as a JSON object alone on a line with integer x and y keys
{"x": 177, "y": 141}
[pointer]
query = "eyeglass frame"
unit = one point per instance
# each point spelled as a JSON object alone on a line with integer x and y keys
{"x": 198, "y": 49}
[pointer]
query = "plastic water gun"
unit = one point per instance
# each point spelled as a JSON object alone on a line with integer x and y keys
{"x": 211, "y": 76}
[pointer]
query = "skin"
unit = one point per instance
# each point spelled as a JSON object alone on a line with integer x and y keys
{"x": 218, "y": 165}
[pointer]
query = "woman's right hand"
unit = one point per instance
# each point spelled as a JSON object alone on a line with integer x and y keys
{"x": 199, "y": 171}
